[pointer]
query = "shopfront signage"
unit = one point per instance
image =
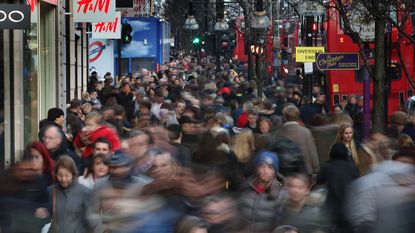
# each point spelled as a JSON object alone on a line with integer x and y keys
{"x": 307, "y": 54}
{"x": 93, "y": 10}
{"x": 107, "y": 30}
{"x": 14, "y": 16}
{"x": 138, "y": 9}
{"x": 124, "y": 3}
{"x": 338, "y": 61}
{"x": 32, "y": 4}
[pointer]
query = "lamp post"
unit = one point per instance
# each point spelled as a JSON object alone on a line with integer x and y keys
{"x": 220, "y": 27}
{"x": 260, "y": 22}
{"x": 190, "y": 23}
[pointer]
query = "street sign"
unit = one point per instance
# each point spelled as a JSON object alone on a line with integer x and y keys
{"x": 338, "y": 61}
{"x": 93, "y": 10}
{"x": 307, "y": 54}
{"x": 14, "y": 16}
{"x": 107, "y": 30}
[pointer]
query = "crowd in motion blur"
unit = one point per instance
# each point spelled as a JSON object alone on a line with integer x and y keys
{"x": 194, "y": 149}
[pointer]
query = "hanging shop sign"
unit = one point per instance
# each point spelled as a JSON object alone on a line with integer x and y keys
{"x": 14, "y": 16}
{"x": 93, "y": 10}
{"x": 107, "y": 30}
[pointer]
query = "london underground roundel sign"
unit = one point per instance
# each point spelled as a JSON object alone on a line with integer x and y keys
{"x": 95, "y": 50}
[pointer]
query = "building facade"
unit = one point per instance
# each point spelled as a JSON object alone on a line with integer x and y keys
{"x": 40, "y": 68}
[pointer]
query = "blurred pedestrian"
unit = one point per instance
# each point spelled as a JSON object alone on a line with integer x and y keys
{"x": 337, "y": 174}
{"x": 259, "y": 198}
{"x": 69, "y": 199}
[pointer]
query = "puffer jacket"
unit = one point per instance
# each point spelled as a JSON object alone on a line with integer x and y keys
{"x": 259, "y": 210}
{"x": 311, "y": 218}
{"x": 378, "y": 202}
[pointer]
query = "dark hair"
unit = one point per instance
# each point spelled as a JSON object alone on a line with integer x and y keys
{"x": 408, "y": 152}
{"x": 174, "y": 131}
{"x": 135, "y": 133}
{"x": 67, "y": 162}
{"x": 103, "y": 140}
{"x": 75, "y": 103}
{"x": 104, "y": 158}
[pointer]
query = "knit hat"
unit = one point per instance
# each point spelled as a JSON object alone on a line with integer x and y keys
{"x": 54, "y": 113}
{"x": 120, "y": 159}
{"x": 268, "y": 157}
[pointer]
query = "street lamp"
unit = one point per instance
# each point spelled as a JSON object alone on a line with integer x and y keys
{"x": 260, "y": 22}
{"x": 220, "y": 27}
{"x": 191, "y": 23}
{"x": 260, "y": 19}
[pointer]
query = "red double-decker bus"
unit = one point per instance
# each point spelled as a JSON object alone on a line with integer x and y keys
{"x": 342, "y": 84}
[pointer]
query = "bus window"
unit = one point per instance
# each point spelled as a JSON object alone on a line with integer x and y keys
{"x": 393, "y": 73}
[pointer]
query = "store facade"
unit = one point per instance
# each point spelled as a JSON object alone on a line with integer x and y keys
{"x": 40, "y": 68}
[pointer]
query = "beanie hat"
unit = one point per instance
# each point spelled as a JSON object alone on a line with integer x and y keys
{"x": 120, "y": 159}
{"x": 54, "y": 113}
{"x": 268, "y": 157}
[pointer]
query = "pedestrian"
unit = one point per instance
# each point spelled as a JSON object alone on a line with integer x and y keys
{"x": 345, "y": 136}
{"x": 300, "y": 135}
{"x": 98, "y": 168}
{"x": 41, "y": 160}
{"x": 69, "y": 199}
{"x": 300, "y": 208}
{"x": 337, "y": 174}
{"x": 259, "y": 197}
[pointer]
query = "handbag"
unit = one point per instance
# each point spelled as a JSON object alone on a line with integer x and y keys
{"x": 51, "y": 227}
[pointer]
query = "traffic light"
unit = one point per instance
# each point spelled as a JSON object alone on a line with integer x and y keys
{"x": 196, "y": 40}
{"x": 232, "y": 40}
{"x": 126, "y": 30}
{"x": 314, "y": 27}
{"x": 224, "y": 42}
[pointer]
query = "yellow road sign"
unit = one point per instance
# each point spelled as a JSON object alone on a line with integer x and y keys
{"x": 307, "y": 54}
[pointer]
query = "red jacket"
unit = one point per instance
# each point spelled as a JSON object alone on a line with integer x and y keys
{"x": 103, "y": 131}
{"x": 242, "y": 120}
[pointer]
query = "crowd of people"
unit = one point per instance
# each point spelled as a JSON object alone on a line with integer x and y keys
{"x": 194, "y": 148}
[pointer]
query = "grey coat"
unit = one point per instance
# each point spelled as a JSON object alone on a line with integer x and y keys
{"x": 302, "y": 136}
{"x": 259, "y": 210}
{"x": 71, "y": 206}
{"x": 377, "y": 201}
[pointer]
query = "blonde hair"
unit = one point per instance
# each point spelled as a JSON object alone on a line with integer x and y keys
{"x": 291, "y": 113}
{"x": 247, "y": 105}
{"x": 244, "y": 146}
{"x": 405, "y": 141}
{"x": 351, "y": 146}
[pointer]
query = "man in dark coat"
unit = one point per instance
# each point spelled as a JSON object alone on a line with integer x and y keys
{"x": 126, "y": 99}
{"x": 55, "y": 143}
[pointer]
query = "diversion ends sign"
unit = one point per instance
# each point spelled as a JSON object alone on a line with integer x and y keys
{"x": 307, "y": 54}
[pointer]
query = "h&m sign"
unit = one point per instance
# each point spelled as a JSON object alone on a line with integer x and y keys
{"x": 14, "y": 16}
